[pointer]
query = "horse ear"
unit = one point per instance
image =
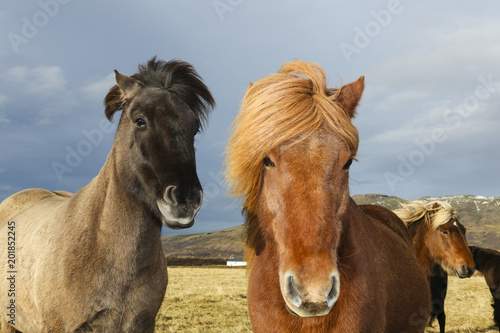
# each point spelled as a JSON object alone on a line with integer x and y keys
{"x": 350, "y": 95}
{"x": 118, "y": 95}
{"x": 435, "y": 205}
{"x": 250, "y": 85}
{"x": 128, "y": 85}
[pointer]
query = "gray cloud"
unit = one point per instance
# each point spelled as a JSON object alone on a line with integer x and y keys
{"x": 421, "y": 64}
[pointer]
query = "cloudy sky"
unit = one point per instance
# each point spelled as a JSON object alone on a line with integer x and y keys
{"x": 429, "y": 120}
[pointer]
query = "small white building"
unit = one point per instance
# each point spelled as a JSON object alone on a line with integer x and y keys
{"x": 236, "y": 262}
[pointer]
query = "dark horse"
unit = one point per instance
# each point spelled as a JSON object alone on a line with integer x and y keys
{"x": 488, "y": 263}
{"x": 441, "y": 247}
{"x": 438, "y": 282}
{"x": 318, "y": 262}
{"x": 93, "y": 261}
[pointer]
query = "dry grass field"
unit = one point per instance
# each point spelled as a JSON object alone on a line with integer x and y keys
{"x": 204, "y": 299}
{"x": 467, "y": 306}
{"x": 213, "y": 299}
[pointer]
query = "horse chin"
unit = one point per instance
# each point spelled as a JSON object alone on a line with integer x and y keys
{"x": 171, "y": 219}
{"x": 308, "y": 314}
{"x": 459, "y": 273}
{"x": 176, "y": 225}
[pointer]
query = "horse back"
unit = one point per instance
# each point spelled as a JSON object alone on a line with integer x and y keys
{"x": 387, "y": 218}
{"x": 20, "y": 201}
{"x": 490, "y": 268}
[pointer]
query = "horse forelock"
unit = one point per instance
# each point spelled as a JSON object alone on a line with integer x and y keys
{"x": 178, "y": 77}
{"x": 432, "y": 214}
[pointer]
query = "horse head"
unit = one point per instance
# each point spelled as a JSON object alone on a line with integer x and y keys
{"x": 305, "y": 199}
{"x": 164, "y": 106}
{"x": 294, "y": 142}
{"x": 438, "y": 236}
{"x": 449, "y": 247}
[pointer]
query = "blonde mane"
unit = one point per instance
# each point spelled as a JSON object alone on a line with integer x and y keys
{"x": 290, "y": 104}
{"x": 434, "y": 213}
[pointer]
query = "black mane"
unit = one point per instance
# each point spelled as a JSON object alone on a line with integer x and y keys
{"x": 175, "y": 75}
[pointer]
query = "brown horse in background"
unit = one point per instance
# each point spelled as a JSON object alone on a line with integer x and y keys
{"x": 488, "y": 263}
{"x": 318, "y": 262}
{"x": 441, "y": 247}
{"x": 93, "y": 261}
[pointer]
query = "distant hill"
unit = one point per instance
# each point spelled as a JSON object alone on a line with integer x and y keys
{"x": 222, "y": 243}
{"x": 479, "y": 214}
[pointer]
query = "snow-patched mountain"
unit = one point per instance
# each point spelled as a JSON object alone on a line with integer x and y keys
{"x": 479, "y": 214}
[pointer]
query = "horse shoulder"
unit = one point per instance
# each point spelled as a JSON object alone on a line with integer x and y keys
{"x": 392, "y": 259}
{"x": 389, "y": 219}
{"x": 20, "y": 201}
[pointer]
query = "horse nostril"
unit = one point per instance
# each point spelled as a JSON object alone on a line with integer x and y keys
{"x": 170, "y": 194}
{"x": 198, "y": 198}
{"x": 292, "y": 292}
{"x": 333, "y": 294}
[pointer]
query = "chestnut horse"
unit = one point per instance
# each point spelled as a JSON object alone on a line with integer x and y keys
{"x": 488, "y": 263}
{"x": 318, "y": 262}
{"x": 93, "y": 261}
{"x": 440, "y": 245}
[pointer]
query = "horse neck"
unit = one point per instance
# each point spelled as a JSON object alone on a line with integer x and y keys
{"x": 481, "y": 258}
{"x": 418, "y": 231}
{"x": 109, "y": 210}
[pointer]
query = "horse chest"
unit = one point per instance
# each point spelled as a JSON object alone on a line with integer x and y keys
{"x": 110, "y": 290}
{"x": 109, "y": 303}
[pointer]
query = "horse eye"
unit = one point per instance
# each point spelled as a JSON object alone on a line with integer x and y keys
{"x": 347, "y": 165}
{"x": 140, "y": 122}
{"x": 446, "y": 232}
{"x": 268, "y": 163}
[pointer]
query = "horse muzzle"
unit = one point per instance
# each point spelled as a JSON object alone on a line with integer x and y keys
{"x": 178, "y": 211}
{"x": 464, "y": 271}
{"x": 310, "y": 301}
